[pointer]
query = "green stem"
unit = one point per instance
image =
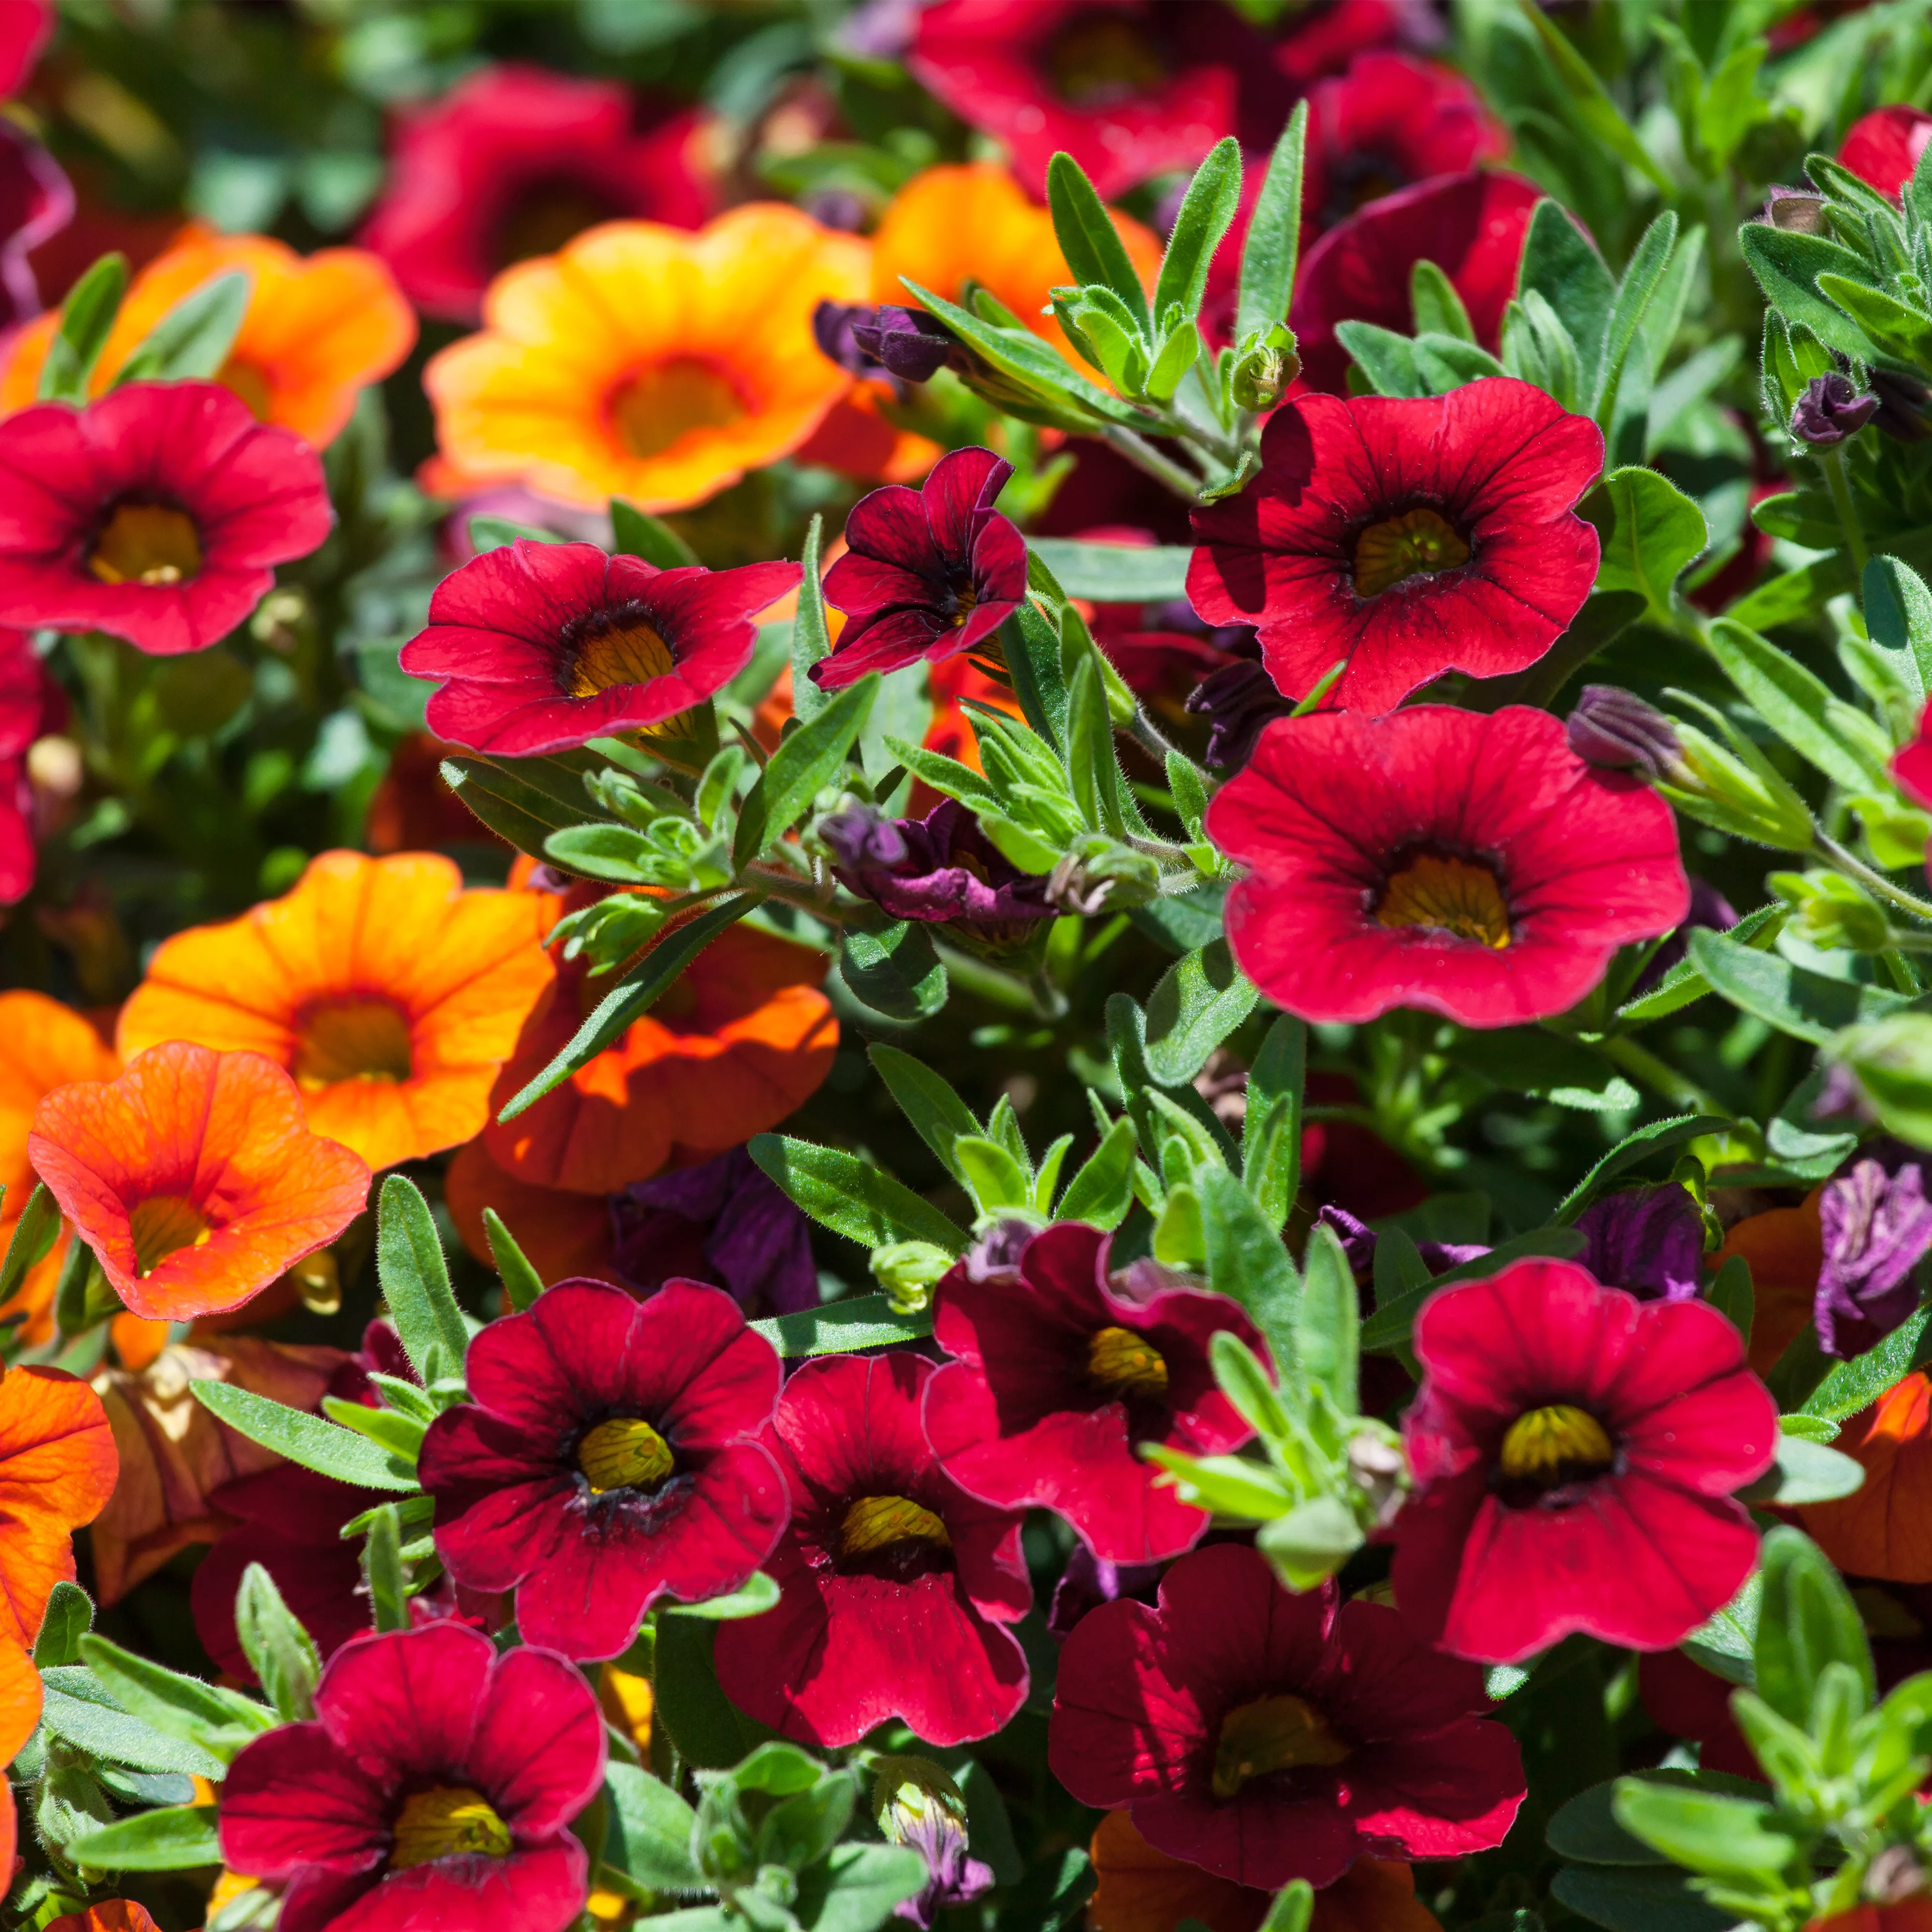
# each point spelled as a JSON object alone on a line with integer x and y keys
{"x": 1840, "y": 860}
{"x": 1143, "y": 455}
{"x": 1146, "y": 733}
{"x": 1833, "y": 463}
{"x": 1630, "y": 1056}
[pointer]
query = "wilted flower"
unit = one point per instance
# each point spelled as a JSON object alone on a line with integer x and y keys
{"x": 1617, "y": 730}
{"x": 1876, "y": 1221}
{"x": 916, "y": 1804}
{"x": 1831, "y": 410}
{"x": 938, "y": 869}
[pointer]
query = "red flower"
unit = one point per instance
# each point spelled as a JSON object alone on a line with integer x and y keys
{"x": 435, "y": 1786}
{"x": 1475, "y": 866}
{"x": 927, "y": 573}
{"x": 36, "y": 203}
{"x": 1574, "y": 1451}
{"x": 156, "y": 514}
{"x": 31, "y": 705}
{"x": 547, "y": 646}
{"x": 1471, "y": 226}
{"x": 894, "y": 1581}
{"x": 1062, "y": 1373}
{"x": 1408, "y": 536}
{"x": 1325, "y": 39}
{"x": 608, "y": 1458}
{"x": 1883, "y": 148}
{"x": 1913, "y": 765}
{"x": 25, "y": 27}
{"x": 1270, "y": 1737}
{"x": 513, "y": 161}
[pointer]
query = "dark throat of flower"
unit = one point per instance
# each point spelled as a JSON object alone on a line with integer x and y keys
{"x": 1272, "y": 1734}
{"x": 618, "y": 649}
{"x": 658, "y": 406}
{"x": 1548, "y": 1448}
{"x": 163, "y": 1224}
{"x": 444, "y": 1822}
{"x": 352, "y": 1038}
{"x": 892, "y": 1537}
{"x": 1100, "y": 58}
{"x": 625, "y": 1453}
{"x": 1444, "y": 893}
{"x": 150, "y": 544}
{"x": 1420, "y": 542}
{"x": 542, "y": 215}
{"x": 1126, "y": 1365}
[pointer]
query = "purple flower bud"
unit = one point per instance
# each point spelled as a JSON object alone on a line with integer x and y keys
{"x": 861, "y": 838}
{"x": 1830, "y": 410}
{"x": 839, "y": 208}
{"x": 1239, "y": 701}
{"x": 1649, "y": 1241}
{"x": 995, "y": 1255}
{"x": 1359, "y": 1242}
{"x": 832, "y": 326}
{"x": 919, "y": 1806}
{"x": 1796, "y": 210}
{"x": 910, "y": 343}
{"x": 1877, "y": 1222}
{"x": 941, "y": 869}
{"x": 1615, "y": 729}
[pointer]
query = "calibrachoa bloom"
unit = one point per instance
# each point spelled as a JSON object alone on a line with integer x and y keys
{"x": 193, "y": 1177}
{"x": 1472, "y": 866}
{"x": 1062, "y": 1371}
{"x": 1884, "y": 146}
{"x": 390, "y": 994}
{"x": 512, "y": 162}
{"x": 940, "y": 869}
{"x": 25, "y": 27}
{"x": 58, "y": 1468}
{"x": 647, "y": 362}
{"x": 156, "y": 514}
{"x": 1405, "y": 537}
{"x": 1913, "y": 765}
{"x": 545, "y": 646}
{"x": 111, "y": 1915}
{"x": 608, "y": 1457}
{"x": 927, "y": 574}
{"x": 1574, "y": 1451}
{"x": 434, "y": 1786}
{"x": 1884, "y": 1528}
{"x": 896, "y": 1585}
{"x": 31, "y": 704}
{"x": 1268, "y": 1737}
{"x": 1785, "y": 1249}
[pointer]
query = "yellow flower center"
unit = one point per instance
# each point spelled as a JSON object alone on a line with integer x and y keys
{"x": 631, "y": 653}
{"x": 250, "y": 382}
{"x": 1124, "y": 1364}
{"x": 146, "y": 543}
{"x": 444, "y": 1822}
{"x": 1561, "y": 1444}
{"x": 1104, "y": 59}
{"x": 1418, "y": 543}
{"x": 876, "y": 1522}
{"x": 1272, "y": 1734}
{"x": 965, "y": 604}
{"x": 161, "y": 1226}
{"x": 659, "y": 407}
{"x": 355, "y": 1039}
{"x": 625, "y": 1452}
{"x": 1448, "y": 895}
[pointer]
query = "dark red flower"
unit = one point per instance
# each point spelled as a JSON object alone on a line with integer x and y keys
{"x": 1324, "y": 39}
{"x": 1912, "y": 767}
{"x": 1407, "y": 536}
{"x": 25, "y": 27}
{"x": 36, "y": 203}
{"x": 1269, "y": 1737}
{"x": 927, "y": 573}
{"x": 608, "y": 1457}
{"x": 156, "y": 514}
{"x": 32, "y": 704}
{"x": 435, "y": 1786}
{"x": 1471, "y": 865}
{"x": 1574, "y": 1451}
{"x": 895, "y": 1582}
{"x": 544, "y": 646}
{"x": 1471, "y": 226}
{"x": 512, "y": 162}
{"x": 1061, "y": 1372}
{"x": 1882, "y": 149}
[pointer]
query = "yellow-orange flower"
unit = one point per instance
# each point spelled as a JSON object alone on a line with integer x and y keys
{"x": 951, "y": 223}
{"x": 1786, "y": 1249}
{"x": 650, "y": 362}
{"x": 110, "y": 1915}
{"x": 319, "y": 328}
{"x": 1884, "y": 1529}
{"x": 389, "y": 993}
{"x": 58, "y": 1466}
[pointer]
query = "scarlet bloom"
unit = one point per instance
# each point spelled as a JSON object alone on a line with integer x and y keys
{"x": 1913, "y": 765}
{"x": 25, "y": 27}
{"x": 111, "y": 1915}
{"x": 927, "y": 574}
{"x": 1063, "y": 1372}
{"x": 608, "y": 1458}
{"x": 1268, "y": 1737}
{"x": 1471, "y": 865}
{"x": 1574, "y": 1452}
{"x": 545, "y": 646}
{"x": 31, "y": 705}
{"x": 390, "y": 994}
{"x": 1471, "y": 226}
{"x": 434, "y": 1786}
{"x": 36, "y": 202}
{"x": 512, "y": 162}
{"x": 1406, "y": 536}
{"x": 156, "y": 514}
{"x": 193, "y": 1177}
{"x": 1883, "y": 147}
{"x": 896, "y": 1585}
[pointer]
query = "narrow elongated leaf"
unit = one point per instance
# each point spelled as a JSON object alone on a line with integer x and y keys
{"x": 1106, "y": 573}
{"x": 701, "y": 1720}
{"x": 1206, "y": 213}
{"x": 1271, "y": 1127}
{"x": 1273, "y": 246}
{"x": 1200, "y": 999}
{"x": 98, "y": 1726}
{"x": 1649, "y": 531}
{"x": 414, "y": 1278}
{"x": 1331, "y": 1321}
{"x": 306, "y": 1439}
{"x": 1633, "y": 294}
{"x": 1898, "y": 614}
{"x": 810, "y": 636}
{"x": 1248, "y": 1261}
{"x": 383, "y": 1573}
{"x": 281, "y": 1652}
{"x": 1857, "y": 1384}
{"x": 926, "y": 1098}
{"x": 1088, "y": 238}
{"x": 635, "y": 533}
{"x": 1596, "y": 112}
{"x": 515, "y": 811}
{"x": 182, "y": 1706}
{"x": 1659, "y": 1137}
{"x": 1793, "y": 702}
{"x": 1102, "y": 1190}
{"x": 87, "y": 319}
{"x": 803, "y": 765}
{"x": 34, "y": 1236}
{"x": 181, "y": 1837}
{"x": 67, "y": 1618}
{"x": 192, "y": 340}
{"x": 839, "y": 1327}
{"x": 1787, "y": 265}
{"x": 752, "y": 1598}
{"x": 852, "y": 1197}
{"x": 1806, "y": 1620}
{"x": 650, "y": 1831}
{"x": 1684, "y": 983}
{"x": 522, "y": 1284}
{"x": 1562, "y": 264}
{"x": 895, "y": 971}
{"x": 1806, "y": 1005}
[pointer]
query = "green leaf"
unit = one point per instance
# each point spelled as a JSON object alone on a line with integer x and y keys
{"x": 1596, "y": 113}
{"x": 926, "y": 1098}
{"x": 1292, "y": 1908}
{"x": 1683, "y": 984}
{"x": 1271, "y": 1127}
{"x": 513, "y": 809}
{"x": 945, "y": 775}
{"x": 1657, "y": 1898}
{"x": 1806, "y": 1620}
{"x": 648, "y": 1832}
{"x": 180, "y": 1837}
{"x": 855, "y": 1887}
{"x": 1201, "y": 999}
{"x": 220, "y": 1720}
{"x": 1634, "y": 1149}
{"x": 706, "y": 1729}
{"x": 852, "y": 1197}
{"x": 1851, "y": 1386}
{"x": 993, "y": 1177}
{"x": 489, "y": 533}
{"x": 306, "y": 1439}
{"x": 811, "y": 635}
{"x": 1795, "y": 704}
{"x": 1106, "y": 573}
{"x": 1269, "y": 254}
{"x": 1804, "y": 1004}
{"x": 415, "y": 1278}
{"x": 279, "y": 1651}
{"x": 400, "y": 1435}
{"x": 1787, "y": 265}
{"x": 804, "y": 764}
{"x": 1904, "y": 332}
{"x": 1386, "y": 359}
{"x": 841, "y": 1327}
{"x": 1649, "y": 531}
{"x": 752, "y": 1598}
{"x": 1092, "y": 769}
{"x": 1206, "y": 213}
{"x": 1633, "y": 293}
{"x": 1092, "y": 244}
{"x": 1102, "y": 1191}
{"x": 1706, "y": 1831}
{"x": 895, "y": 971}
{"x": 1898, "y": 615}
{"x": 635, "y": 533}
{"x": 33, "y": 1236}
{"x": 192, "y": 340}
{"x": 67, "y": 1618}
{"x": 383, "y": 1572}
{"x": 1804, "y": 1472}
{"x": 1439, "y": 309}
{"x": 95, "y": 1724}
{"x": 1248, "y": 1261}
{"x": 87, "y": 319}
{"x": 1387, "y": 1331}
{"x": 1562, "y": 264}
{"x": 522, "y": 1284}
{"x": 1331, "y": 1320}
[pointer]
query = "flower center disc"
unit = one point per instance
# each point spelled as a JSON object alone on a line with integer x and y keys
{"x": 163, "y": 1224}
{"x": 352, "y": 1040}
{"x": 546, "y": 215}
{"x": 1550, "y": 1447}
{"x": 659, "y": 407}
{"x": 442, "y": 1823}
{"x": 628, "y": 653}
{"x": 146, "y": 543}
{"x": 1123, "y": 1363}
{"x": 625, "y": 1452}
{"x": 1418, "y": 543}
{"x": 247, "y": 381}
{"x": 1103, "y": 60}
{"x": 1449, "y": 895}
{"x": 873, "y": 1523}
{"x": 1272, "y": 1734}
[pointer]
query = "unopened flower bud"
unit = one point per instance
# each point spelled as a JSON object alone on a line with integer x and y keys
{"x": 1615, "y": 729}
{"x": 907, "y": 1270}
{"x": 1265, "y": 364}
{"x": 1831, "y": 410}
{"x": 909, "y": 343}
{"x": 831, "y": 330}
{"x": 1795, "y": 210}
{"x": 1834, "y": 913}
{"x": 918, "y": 1805}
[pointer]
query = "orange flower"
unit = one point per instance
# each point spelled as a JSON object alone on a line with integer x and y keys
{"x": 193, "y": 1178}
{"x": 111, "y": 1915}
{"x": 950, "y": 222}
{"x": 650, "y": 362}
{"x": 390, "y": 994}
{"x": 1884, "y": 1530}
{"x": 319, "y": 329}
{"x": 43, "y": 1044}
{"x": 563, "y": 1235}
{"x": 1786, "y": 1249}
{"x": 58, "y": 1466}
{"x": 857, "y": 440}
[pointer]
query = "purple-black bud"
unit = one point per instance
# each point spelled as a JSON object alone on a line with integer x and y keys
{"x": 1615, "y": 729}
{"x": 832, "y": 325}
{"x": 909, "y": 343}
{"x": 1831, "y": 410}
{"x": 1238, "y": 700}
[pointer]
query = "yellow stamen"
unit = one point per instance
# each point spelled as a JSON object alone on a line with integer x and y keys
{"x": 1556, "y": 1444}
{"x": 1418, "y": 543}
{"x": 1449, "y": 895}
{"x": 146, "y": 543}
{"x": 444, "y": 1822}
{"x": 631, "y": 653}
{"x": 1272, "y": 1734}
{"x": 1124, "y": 1364}
{"x": 352, "y": 1040}
{"x": 625, "y": 1452}
{"x": 659, "y": 407}
{"x": 876, "y": 1522}
{"x": 967, "y": 603}
{"x": 163, "y": 1224}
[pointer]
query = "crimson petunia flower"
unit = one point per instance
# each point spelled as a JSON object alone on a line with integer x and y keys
{"x": 1471, "y": 226}
{"x": 36, "y": 203}
{"x": 31, "y": 705}
{"x": 1574, "y": 1452}
{"x": 927, "y": 573}
{"x": 512, "y": 162}
{"x": 1408, "y": 536}
{"x": 1913, "y": 765}
{"x": 1473, "y": 865}
{"x": 1322, "y": 41}
{"x": 157, "y": 513}
{"x": 1062, "y": 1371}
{"x": 608, "y": 1457}
{"x": 1882, "y": 149}
{"x": 542, "y": 647}
{"x": 895, "y": 1583}
{"x": 435, "y": 1786}
{"x": 1269, "y": 1737}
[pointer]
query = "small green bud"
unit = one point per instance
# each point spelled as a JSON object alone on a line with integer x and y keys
{"x": 908, "y": 1272}
{"x": 1834, "y": 913}
{"x": 1265, "y": 365}
{"x": 906, "y": 1792}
